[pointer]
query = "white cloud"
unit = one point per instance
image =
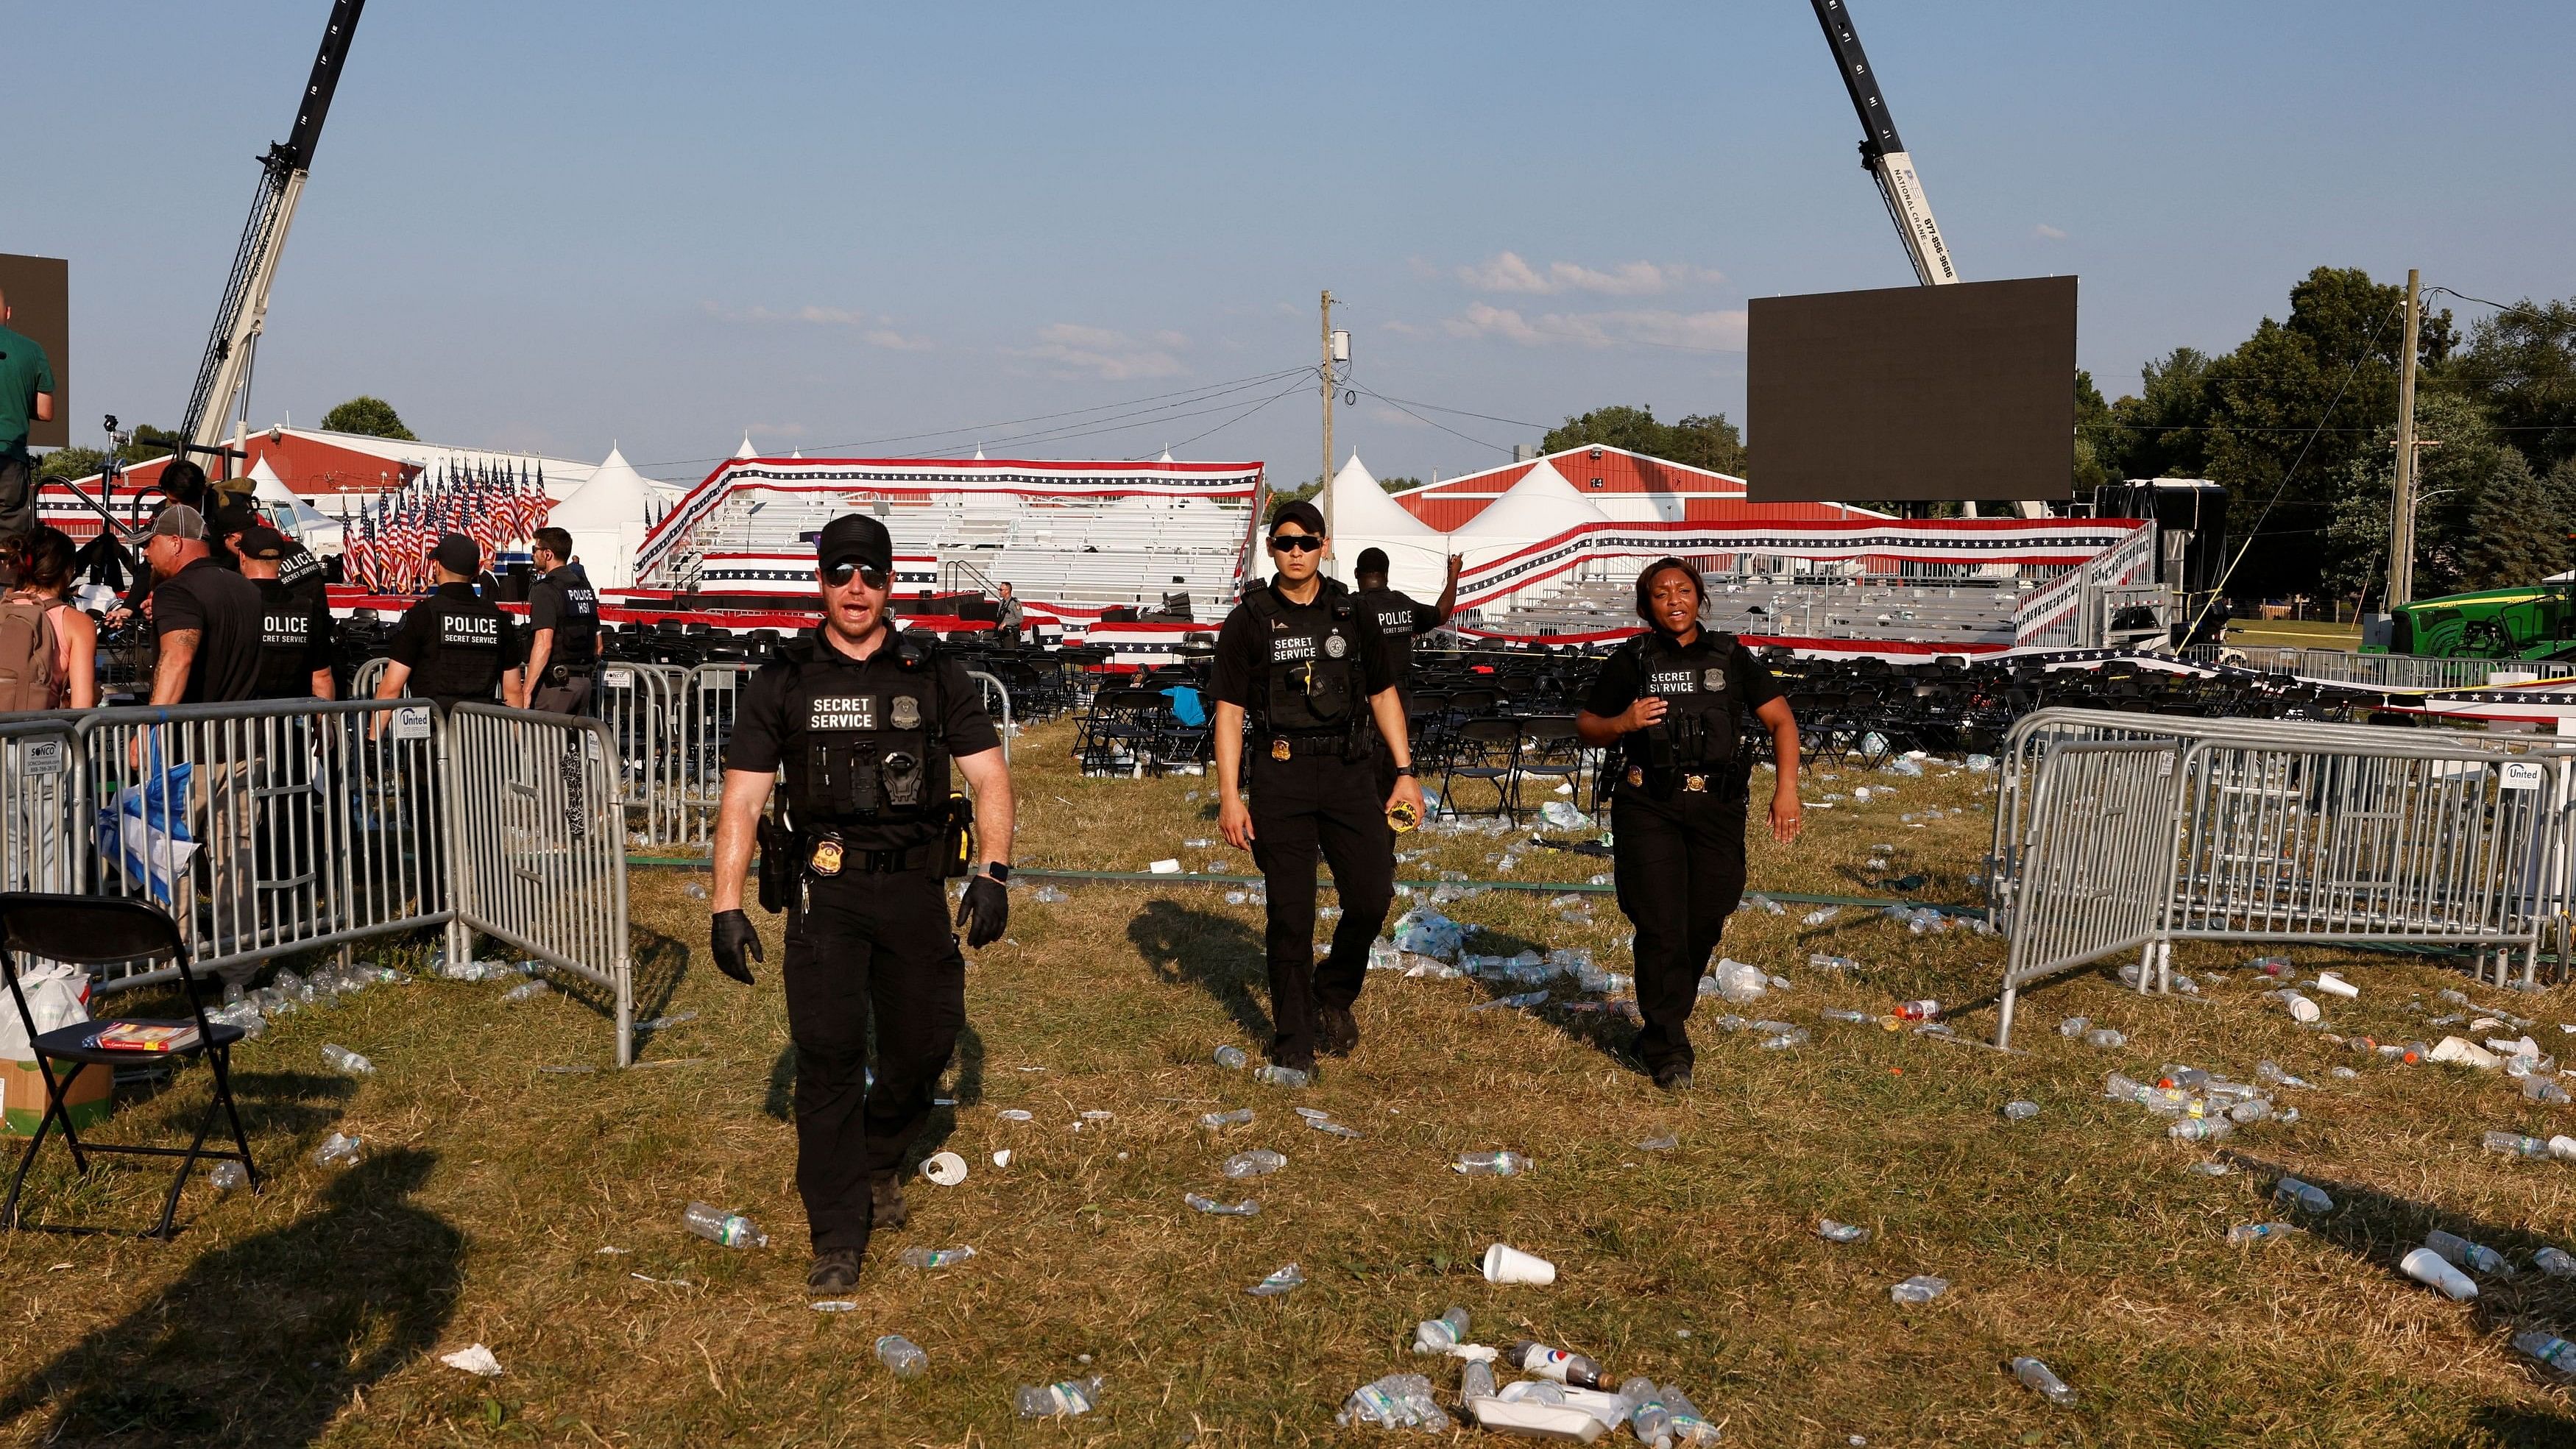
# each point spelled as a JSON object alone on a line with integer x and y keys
{"x": 1074, "y": 350}
{"x": 2045, "y": 232}
{"x": 875, "y": 329}
{"x": 1507, "y": 272}
{"x": 887, "y": 337}
{"x": 1714, "y": 331}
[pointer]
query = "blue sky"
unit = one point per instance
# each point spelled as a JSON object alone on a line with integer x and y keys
{"x": 555, "y": 225}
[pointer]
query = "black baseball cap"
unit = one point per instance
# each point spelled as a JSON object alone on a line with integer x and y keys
{"x": 854, "y": 538}
{"x": 458, "y": 555}
{"x": 1300, "y": 512}
{"x": 260, "y": 541}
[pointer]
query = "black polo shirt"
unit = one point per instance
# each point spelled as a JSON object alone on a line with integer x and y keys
{"x": 1399, "y": 618}
{"x": 1241, "y": 654}
{"x": 224, "y": 609}
{"x": 464, "y": 669}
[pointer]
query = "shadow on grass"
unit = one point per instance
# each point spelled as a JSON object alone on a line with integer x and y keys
{"x": 265, "y": 1341}
{"x": 1570, "y": 1012}
{"x": 1218, "y": 954}
{"x": 779, "y": 1103}
{"x": 2507, "y": 1426}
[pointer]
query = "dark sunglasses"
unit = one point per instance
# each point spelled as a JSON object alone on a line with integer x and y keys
{"x": 1295, "y": 542}
{"x": 840, "y": 574}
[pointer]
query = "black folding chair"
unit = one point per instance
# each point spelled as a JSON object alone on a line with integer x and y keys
{"x": 100, "y": 931}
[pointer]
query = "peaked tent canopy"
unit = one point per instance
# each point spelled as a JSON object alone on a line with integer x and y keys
{"x": 1364, "y": 517}
{"x": 1540, "y": 506}
{"x": 606, "y": 518}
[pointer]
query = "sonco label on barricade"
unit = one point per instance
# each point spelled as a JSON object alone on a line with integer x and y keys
{"x": 41, "y": 757}
{"x": 617, "y": 679}
{"x": 411, "y": 722}
{"x": 2520, "y": 775}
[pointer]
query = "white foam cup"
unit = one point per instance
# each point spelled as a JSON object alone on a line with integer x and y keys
{"x": 945, "y": 1168}
{"x": 1507, "y": 1264}
{"x": 2428, "y": 1267}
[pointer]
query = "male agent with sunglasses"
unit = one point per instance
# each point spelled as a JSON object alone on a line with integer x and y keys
{"x": 1308, "y": 667}
{"x": 866, "y": 720}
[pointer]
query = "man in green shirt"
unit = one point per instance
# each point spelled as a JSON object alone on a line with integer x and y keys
{"x": 26, "y": 397}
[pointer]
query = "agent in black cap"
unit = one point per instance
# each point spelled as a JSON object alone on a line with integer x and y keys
{"x": 867, "y": 719}
{"x": 1672, "y": 701}
{"x": 563, "y": 627}
{"x": 1400, "y": 620}
{"x": 295, "y": 624}
{"x": 454, "y": 645}
{"x": 1307, "y": 667}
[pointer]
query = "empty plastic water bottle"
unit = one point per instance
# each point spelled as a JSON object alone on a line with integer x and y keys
{"x": 1490, "y": 1164}
{"x": 1277, "y": 1283}
{"x": 1835, "y": 1232}
{"x": 2036, "y": 1377}
{"x": 2554, "y": 1263}
{"x": 2251, "y": 1111}
{"x": 1244, "y": 1209}
{"x": 1920, "y": 1289}
{"x": 1439, "y": 1335}
{"x": 1058, "y": 1401}
{"x": 2544, "y": 1091}
{"x": 1232, "y": 1057}
{"x": 1259, "y": 1162}
{"x": 1647, "y": 1415}
{"x": 2020, "y": 1111}
{"x": 341, "y": 1059}
{"x": 1843, "y": 1014}
{"x": 1821, "y": 961}
{"x": 526, "y": 991}
{"x": 1235, "y": 1118}
{"x": 1279, "y": 1076}
{"x": 1477, "y": 1382}
{"x": 2307, "y": 1197}
{"x": 2515, "y": 1145}
{"x": 2200, "y": 1129}
{"x": 337, "y": 1150}
{"x": 1684, "y": 1421}
{"x": 2459, "y": 1252}
{"x": 2549, "y": 1348}
{"x": 2258, "y": 1232}
{"x": 935, "y": 1257}
{"x": 714, "y": 1224}
{"x": 2105, "y": 1038}
{"x": 228, "y": 1176}
{"x": 902, "y": 1357}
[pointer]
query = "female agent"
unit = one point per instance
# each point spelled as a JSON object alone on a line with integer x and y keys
{"x": 1674, "y": 699}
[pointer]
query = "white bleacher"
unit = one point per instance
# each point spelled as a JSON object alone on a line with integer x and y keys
{"x": 1872, "y": 607}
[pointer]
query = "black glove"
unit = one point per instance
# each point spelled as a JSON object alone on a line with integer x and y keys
{"x": 988, "y": 906}
{"x": 731, "y": 936}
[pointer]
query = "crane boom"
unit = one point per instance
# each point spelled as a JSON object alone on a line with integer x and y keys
{"x": 1883, "y": 154}
{"x": 282, "y": 173}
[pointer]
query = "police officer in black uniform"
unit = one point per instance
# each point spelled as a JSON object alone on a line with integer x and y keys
{"x": 1307, "y": 667}
{"x": 455, "y": 645}
{"x": 563, "y": 627}
{"x": 1673, "y": 700}
{"x": 867, "y": 721}
{"x": 1400, "y": 620}
{"x": 295, "y": 644}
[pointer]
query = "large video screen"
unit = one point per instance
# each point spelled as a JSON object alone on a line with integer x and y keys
{"x": 1913, "y": 393}
{"x": 40, "y": 306}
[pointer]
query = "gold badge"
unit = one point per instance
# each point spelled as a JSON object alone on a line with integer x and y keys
{"x": 825, "y": 858}
{"x": 1278, "y": 749}
{"x": 906, "y": 712}
{"x": 1695, "y": 782}
{"x": 1636, "y": 777}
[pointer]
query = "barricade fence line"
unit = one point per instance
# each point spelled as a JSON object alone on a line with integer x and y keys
{"x": 2099, "y": 859}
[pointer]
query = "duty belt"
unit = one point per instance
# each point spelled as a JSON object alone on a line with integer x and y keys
{"x": 1695, "y": 782}
{"x": 826, "y": 856}
{"x": 1280, "y": 747}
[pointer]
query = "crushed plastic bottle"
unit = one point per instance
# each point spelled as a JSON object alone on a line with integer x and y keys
{"x": 2106, "y": 1038}
{"x": 341, "y": 1059}
{"x": 1834, "y": 1232}
{"x": 1920, "y": 1289}
{"x": 1533, "y": 1357}
{"x": 1233, "y": 1058}
{"x": 2020, "y": 1111}
{"x": 1661, "y": 1142}
{"x": 2514, "y": 1144}
{"x": 2258, "y": 1232}
{"x": 1280, "y": 1282}
{"x": 2459, "y": 1252}
{"x": 1685, "y": 1422}
{"x": 339, "y": 1151}
{"x": 730, "y": 1230}
{"x": 1218, "y": 1120}
{"x": 1439, "y": 1335}
{"x": 2036, "y": 1377}
{"x": 2307, "y": 1197}
{"x": 230, "y": 1176}
{"x": 526, "y": 991}
{"x": 1058, "y": 1401}
{"x": 2554, "y": 1263}
{"x": 1331, "y": 1128}
{"x": 1259, "y": 1162}
{"x": 1244, "y": 1209}
{"x": 1272, "y": 1074}
{"x": 1398, "y": 1401}
{"x": 1490, "y": 1164}
{"x": 935, "y": 1257}
{"x": 902, "y": 1357}
{"x": 1784, "y": 1036}
{"x": 2549, "y": 1348}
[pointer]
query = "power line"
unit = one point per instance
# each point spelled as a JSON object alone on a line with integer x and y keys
{"x": 2500, "y": 306}
{"x": 1419, "y": 418}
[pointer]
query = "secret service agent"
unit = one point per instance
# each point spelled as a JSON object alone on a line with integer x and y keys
{"x": 563, "y": 628}
{"x": 454, "y": 645}
{"x": 1673, "y": 701}
{"x": 866, "y": 722}
{"x": 1308, "y": 669}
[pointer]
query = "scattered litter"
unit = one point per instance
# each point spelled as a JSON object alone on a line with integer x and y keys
{"x": 1665, "y": 1143}
{"x": 665, "y": 1023}
{"x": 945, "y": 1168}
{"x": 1003, "y": 1158}
{"x": 1736, "y": 981}
{"x": 1820, "y": 915}
{"x": 2212, "y": 1168}
{"x": 2244, "y": 1233}
{"x": 228, "y": 1176}
{"x": 1165, "y": 867}
{"x": 2106, "y": 1038}
{"x": 339, "y": 1151}
{"x": 2020, "y": 1111}
{"x": 1277, "y": 1283}
{"x": 2307, "y": 1197}
{"x": 1507, "y": 1264}
{"x": 1520, "y": 1002}
{"x": 2465, "y": 1053}
{"x": 2549, "y": 1348}
{"x": 2334, "y": 985}
{"x": 1258, "y": 1162}
{"x": 833, "y": 1305}
{"x": 2036, "y": 1377}
{"x": 730, "y": 1230}
{"x": 1439, "y": 1335}
{"x": 1920, "y": 1289}
{"x": 1244, "y": 1209}
{"x": 474, "y": 1359}
{"x": 2554, "y": 1263}
{"x": 1097, "y": 1115}
{"x": 526, "y": 991}
{"x": 1220, "y": 1120}
{"x": 1049, "y": 895}
{"x": 1332, "y": 1128}
{"x": 2428, "y": 1268}
{"x": 1834, "y": 1232}
{"x": 1058, "y": 1401}
{"x": 660, "y": 1282}
{"x": 1273, "y": 1074}
{"x": 1232, "y": 1057}
{"x": 902, "y": 1357}
{"x": 1015, "y": 1114}
{"x": 1397, "y": 1401}
{"x": 935, "y": 1257}
{"x": 2459, "y": 1252}
{"x": 1490, "y": 1164}
{"x": 340, "y": 1059}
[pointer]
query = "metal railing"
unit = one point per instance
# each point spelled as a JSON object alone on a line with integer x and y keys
{"x": 2374, "y": 671}
{"x": 2100, "y": 839}
{"x": 42, "y": 844}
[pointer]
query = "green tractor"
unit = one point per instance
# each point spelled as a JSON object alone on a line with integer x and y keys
{"x": 2535, "y": 621}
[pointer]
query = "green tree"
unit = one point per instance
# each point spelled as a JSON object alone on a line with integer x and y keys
{"x": 2160, "y": 431}
{"x": 2483, "y": 518}
{"x": 1708, "y": 441}
{"x": 72, "y": 462}
{"x": 1398, "y": 483}
{"x": 1698, "y": 441}
{"x": 2097, "y": 439}
{"x": 2522, "y": 363}
{"x": 371, "y": 416}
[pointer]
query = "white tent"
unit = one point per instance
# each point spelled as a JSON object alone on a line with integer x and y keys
{"x": 1364, "y": 517}
{"x": 288, "y": 511}
{"x": 1540, "y": 506}
{"x": 606, "y": 518}
{"x": 746, "y": 450}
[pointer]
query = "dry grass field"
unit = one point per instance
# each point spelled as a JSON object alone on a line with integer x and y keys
{"x": 538, "y": 1212}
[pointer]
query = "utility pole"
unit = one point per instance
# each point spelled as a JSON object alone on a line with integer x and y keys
{"x": 1324, "y": 498}
{"x": 2401, "y": 504}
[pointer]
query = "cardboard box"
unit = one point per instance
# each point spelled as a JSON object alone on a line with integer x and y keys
{"x": 88, "y": 1097}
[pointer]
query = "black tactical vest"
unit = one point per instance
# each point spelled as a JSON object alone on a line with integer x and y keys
{"x": 463, "y": 660}
{"x": 1701, "y": 707}
{"x": 862, "y": 743}
{"x": 1309, "y": 674}
{"x": 285, "y": 640}
{"x": 576, "y": 618}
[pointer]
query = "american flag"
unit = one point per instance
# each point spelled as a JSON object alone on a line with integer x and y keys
{"x": 495, "y": 502}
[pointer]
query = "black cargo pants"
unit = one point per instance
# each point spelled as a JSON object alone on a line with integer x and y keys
{"x": 1679, "y": 865}
{"x": 1301, "y": 806}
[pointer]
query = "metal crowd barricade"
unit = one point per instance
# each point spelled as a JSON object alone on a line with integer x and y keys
{"x": 43, "y": 845}
{"x": 2287, "y": 838}
{"x": 995, "y": 690}
{"x": 536, "y": 830}
{"x": 263, "y": 827}
{"x": 2371, "y": 671}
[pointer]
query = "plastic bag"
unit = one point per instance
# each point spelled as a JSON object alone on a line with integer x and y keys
{"x": 57, "y": 997}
